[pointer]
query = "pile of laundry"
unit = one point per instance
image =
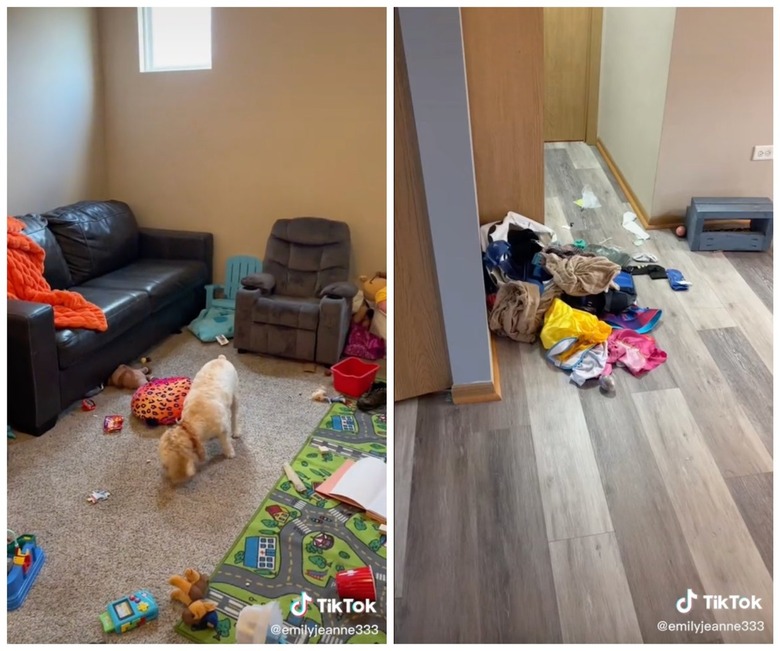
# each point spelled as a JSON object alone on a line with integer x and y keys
{"x": 579, "y": 300}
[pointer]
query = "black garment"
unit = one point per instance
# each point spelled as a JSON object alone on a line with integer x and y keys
{"x": 655, "y": 271}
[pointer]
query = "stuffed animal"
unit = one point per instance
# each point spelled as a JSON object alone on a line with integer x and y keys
{"x": 190, "y": 591}
{"x": 369, "y": 287}
{"x": 126, "y": 377}
{"x": 201, "y": 614}
{"x": 190, "y": 587}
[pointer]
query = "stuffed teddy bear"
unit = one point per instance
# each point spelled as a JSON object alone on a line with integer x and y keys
{"x": 366, "y": 299}
{"x": 126, "y": 377}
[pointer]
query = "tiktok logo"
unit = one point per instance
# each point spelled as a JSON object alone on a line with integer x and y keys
{"x": 301, "y": 605}
{"x": 684, "y": 604}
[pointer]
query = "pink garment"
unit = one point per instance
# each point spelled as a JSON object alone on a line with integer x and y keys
{"x": 638, "y": 353}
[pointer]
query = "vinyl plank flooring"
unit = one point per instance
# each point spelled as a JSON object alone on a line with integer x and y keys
{"x": 757, "y": 270}
{"x": 701, "y": 302}
{"x": 605, "y": 220}
{"x": 655, "y": 556}
{"x": 749, "y": 312}
{"x": 567, "y": 186}
{"x": 555, "y": 219}
{"x": 582, "y": 156}
{"x": 594, "y": 600}
{"x": 403, "y": 439}
{"x": 750, "y": 381}
{"x": 731, "y": 437}
{"x": 440, "y": 532}
{"x": 723, "y": 550}
{"x": 477, "y": 560}
{"x": 573, "y": 498}
{"x": 753, "y": 495}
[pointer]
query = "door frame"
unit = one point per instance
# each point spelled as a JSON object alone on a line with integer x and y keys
{"x": 594, "y": 74}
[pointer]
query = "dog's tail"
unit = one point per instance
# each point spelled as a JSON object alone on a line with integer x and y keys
{"x": 221, "y": 357}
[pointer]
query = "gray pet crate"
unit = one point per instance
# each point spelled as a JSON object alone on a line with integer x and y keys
{"x": 707, "y": 209}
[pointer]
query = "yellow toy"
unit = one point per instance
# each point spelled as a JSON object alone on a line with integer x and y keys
{"x": 374, "y": 295}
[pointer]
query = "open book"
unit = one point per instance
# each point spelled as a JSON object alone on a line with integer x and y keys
{"x": 362, "y": 484}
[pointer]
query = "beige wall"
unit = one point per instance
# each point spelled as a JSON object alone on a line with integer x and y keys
{"x": 718, "y": 106}
{"x": 55, "y": 113}
{"x": 635, "y": 54}
{"x": 290, "y": 121}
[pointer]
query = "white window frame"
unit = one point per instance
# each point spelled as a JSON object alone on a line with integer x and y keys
{"x": 145, "y": 46}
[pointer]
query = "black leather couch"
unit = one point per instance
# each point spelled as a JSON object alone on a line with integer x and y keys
{"x": 149, "y": 283}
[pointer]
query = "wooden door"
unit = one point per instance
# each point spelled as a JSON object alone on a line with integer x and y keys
{"x": 503, "y": 50}
{"x": 421, "y": 359}
{"x": 572, "y": 57}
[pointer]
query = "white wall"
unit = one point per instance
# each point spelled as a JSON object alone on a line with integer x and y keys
{"x": 55, "y": 113}
{"x": 635, "y": 55}
{"x": 718, "y": 106}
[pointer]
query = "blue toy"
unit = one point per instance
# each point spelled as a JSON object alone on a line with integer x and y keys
{"x": 24, "y": 561}
{"x": 237, "y": 267}
{"x": 129, "y": 612}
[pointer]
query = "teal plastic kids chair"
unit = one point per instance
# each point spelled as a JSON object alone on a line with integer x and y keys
{"x": 238, "y": 267}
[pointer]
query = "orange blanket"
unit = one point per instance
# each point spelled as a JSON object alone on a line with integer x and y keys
{"x": 26, "y": 283}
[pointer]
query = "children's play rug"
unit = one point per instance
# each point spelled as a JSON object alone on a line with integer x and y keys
{"x": 297, "y": 542}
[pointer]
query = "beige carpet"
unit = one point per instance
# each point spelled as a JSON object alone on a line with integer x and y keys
{"x": 146, "y": 530}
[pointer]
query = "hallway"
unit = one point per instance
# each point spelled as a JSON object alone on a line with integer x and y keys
{"x": 562, "y": 515}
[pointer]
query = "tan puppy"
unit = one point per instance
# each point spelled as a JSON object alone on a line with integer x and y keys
{"x": 209, "y": 412}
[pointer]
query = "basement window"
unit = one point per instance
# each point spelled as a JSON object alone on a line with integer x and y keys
{"x": 174, "y": 38}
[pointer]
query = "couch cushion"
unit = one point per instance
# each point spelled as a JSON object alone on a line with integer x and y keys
{"x": 300, "y": 313}
{"x": 162, "y": 280}
{"x": 96, "y": 237}
{"x": 55, "y": 269}
{"x": 123, "y": 309}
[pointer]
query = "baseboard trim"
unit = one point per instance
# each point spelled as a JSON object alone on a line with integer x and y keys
{"x": 465, "y": 394}
{"x": 641, "y": 213}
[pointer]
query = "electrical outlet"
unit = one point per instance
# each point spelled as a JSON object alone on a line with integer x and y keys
{"x": 762, "y": 152}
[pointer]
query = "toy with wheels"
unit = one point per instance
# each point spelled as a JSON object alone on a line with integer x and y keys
{"x": 24, "y": 561}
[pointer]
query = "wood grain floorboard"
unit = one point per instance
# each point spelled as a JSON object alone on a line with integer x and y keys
{"x": 730, "y": 435}
{"x": 582, "y": 156}
{"x": 594, "y": 600}
{"x": 476, "y": 510}
{"x": 555, "y": 219}
{"x": 748, "y": 310}
{"x": 567, "y": 186}
{"x": 723, "y": 550}
{"x": 701, "y": 302}
{"x": 403, "y": 439}
{"x": 440, "y": 533}
{"x": 753, "y": 495}
{"x": 573, "y": 498}
{"x": 750, "y": 381}
{"x": 757, "y": 270}
{"x": 654, "y": 554}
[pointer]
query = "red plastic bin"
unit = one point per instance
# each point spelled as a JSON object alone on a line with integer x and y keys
{"x": 353, "y": 376}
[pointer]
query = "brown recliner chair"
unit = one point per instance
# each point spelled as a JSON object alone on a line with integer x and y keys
{"x": 301, "y": 305}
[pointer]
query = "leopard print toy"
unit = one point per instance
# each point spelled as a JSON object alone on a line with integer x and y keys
{"x": 160, "y": 402}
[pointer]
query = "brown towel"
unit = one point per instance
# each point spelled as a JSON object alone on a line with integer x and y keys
{"x": 581, "y": 275}
{"x": 519, "y": 310}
